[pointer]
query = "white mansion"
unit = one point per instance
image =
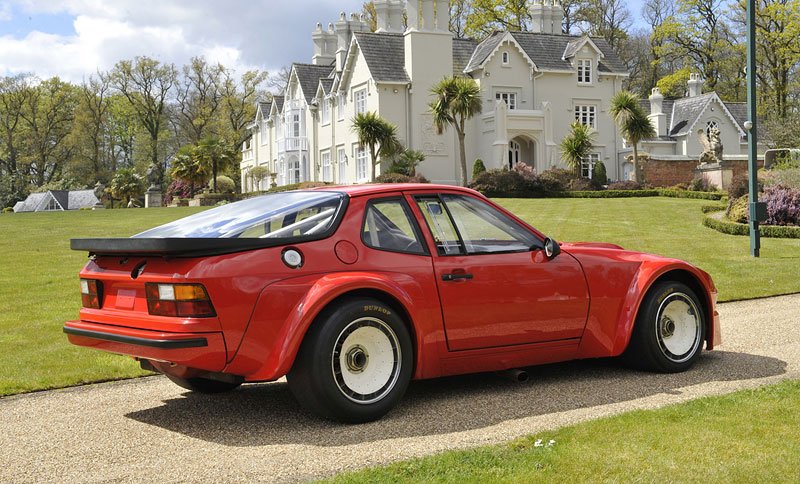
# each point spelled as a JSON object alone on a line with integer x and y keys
{"x": 534, "y": 85}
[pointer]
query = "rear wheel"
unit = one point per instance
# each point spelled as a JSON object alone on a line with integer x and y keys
{"x": 670, "y": 329}
{"x": 355, "y": 363}
{"x": 204, "y": 385}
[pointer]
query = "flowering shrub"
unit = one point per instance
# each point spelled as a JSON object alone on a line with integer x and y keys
{"x": 513, "y": 184}
{"x": 180, "y": 189}
{"x": 783, "y": 205}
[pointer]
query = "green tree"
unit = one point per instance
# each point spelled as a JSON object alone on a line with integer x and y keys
{"x": 477, "y": 168}
{"x": 147, "y": 84}
{"x": 406, "y": 162}
{"x": 490, "y": 15}
{"x": 14, "y": 92}
{"x": 199, "y": 99}
{"x": 257, "y": 174}
{"x": 456, "y": 99}
{"x": 673, "y": 85}
{"x": 633, "y": 123}
{"x": 609, "y": 19}
{"x": 239, "y": 103}
{"x": 48, "y": 115}
{"x": 189, "y": 168}
{"x": 377, "y": 135}
{"x": 577, "y": 145}
{"x": 215, "y": 155}
{"x": 126, "y": 184}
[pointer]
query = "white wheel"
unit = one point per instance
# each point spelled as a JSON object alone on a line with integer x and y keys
{"x": 366, "y": 360}
{"x": 678, "y": 327}
{"x": 355, "y": 362}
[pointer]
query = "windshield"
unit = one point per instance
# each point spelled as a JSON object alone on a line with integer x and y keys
{"x": 281, "y": 215}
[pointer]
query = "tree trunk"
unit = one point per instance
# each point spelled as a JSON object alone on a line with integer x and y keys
{"x": 374, "y": 155}
{"x": 214, "y": 177}
{"x": 462, "y": 149}
{"x": 636, "y": 175}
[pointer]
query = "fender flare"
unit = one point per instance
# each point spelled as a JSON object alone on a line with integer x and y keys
{"x": 325, "y": 290}
{"x": 647, "y": 275}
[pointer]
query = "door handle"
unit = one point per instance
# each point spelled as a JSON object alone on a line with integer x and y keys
{"x": 456, "y": 277}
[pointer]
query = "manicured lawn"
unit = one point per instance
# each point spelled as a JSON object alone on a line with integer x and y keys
{"x": 39, "y": 291}
{"x": 671, "y": 227}
{"x": 749, "y": 436}
{"x": 39, "y": 287}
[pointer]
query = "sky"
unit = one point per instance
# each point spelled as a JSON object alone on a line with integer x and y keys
{"x": 73, "y": 39}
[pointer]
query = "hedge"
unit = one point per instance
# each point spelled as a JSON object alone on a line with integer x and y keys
{"x": 608, "y": 194}
{"x": 769, "y": 231}
{"x": 667, "y": 192}
{"x": 713, "y": 208}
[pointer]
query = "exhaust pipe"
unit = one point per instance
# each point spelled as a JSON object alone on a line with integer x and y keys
{"x": 515, "y": 375}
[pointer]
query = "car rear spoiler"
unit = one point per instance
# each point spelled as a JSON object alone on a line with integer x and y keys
{"x": 180, "y": 247}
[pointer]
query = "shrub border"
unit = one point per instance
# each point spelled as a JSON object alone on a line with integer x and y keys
{"x": 655, "y": 192}
{"x": 770, "y": 231}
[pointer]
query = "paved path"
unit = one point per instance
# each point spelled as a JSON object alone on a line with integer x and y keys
{"x": 151, "y": 430}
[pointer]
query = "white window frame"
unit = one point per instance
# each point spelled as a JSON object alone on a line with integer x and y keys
{"x": 362, "y": 163}
{"x": 341, "y": 104}
{"x": 326, "y": 111}
{"x": 327, "y": 171}
{"x": 295, "y": 125}
{"x": 588, "y": 163}
{"x": 264, "y": 132}
{"x": 508, "y": 97}
{"x": 360, "y": 101}
{"x": 505, "y": 58}
{"x": 341, "y": 156}
{"x": 586, "y": 114}
{"x": 585, "y": 74}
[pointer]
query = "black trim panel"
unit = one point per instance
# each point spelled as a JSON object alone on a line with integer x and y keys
{"x": 132, "y": 340}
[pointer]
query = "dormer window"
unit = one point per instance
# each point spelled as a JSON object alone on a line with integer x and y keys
{"x": 584, "y": 71}
{"x": 505, "y": 58}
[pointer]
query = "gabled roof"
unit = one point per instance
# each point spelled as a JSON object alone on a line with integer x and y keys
{"x": 79, "y": 199}
{"x": 385, "y": 55}
{"x": 575, "y": 45}
{"x": 687, "y": 111}
{"x": 326, "y": 85}
{"x": 547, "y": 51}
{"x": 277, "y": 104}
{"x": 462, "y": 52}
{"x": 682, "y": 114}
{"x": 263, "y": 109}
{"x": 308, "y": 76}
{"x": 62, "y": 197}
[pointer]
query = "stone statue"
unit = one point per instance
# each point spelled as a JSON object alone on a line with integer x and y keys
{"x": 154, "y": 178}
{"x": 712, "y": 145}
{"x": 99, "y": 190}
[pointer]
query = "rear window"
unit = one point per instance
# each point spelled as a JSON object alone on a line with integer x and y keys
{"x": 279, "y": 216}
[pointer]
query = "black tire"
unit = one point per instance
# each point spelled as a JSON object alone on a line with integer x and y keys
{"x": 204, "y": 385}
{"x": 346, "y": 352}
{"x": 661, "y": 344}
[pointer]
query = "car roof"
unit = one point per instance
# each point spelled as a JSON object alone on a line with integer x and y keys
{"x": 377, "y": 188}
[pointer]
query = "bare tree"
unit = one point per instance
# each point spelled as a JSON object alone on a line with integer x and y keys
{"x": 239, "y": 99}
{"x": 278, "y": 81}
{"x": 198, "y": 99}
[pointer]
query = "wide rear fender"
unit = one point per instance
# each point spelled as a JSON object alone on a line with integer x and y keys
{"x": 287, "y": 309}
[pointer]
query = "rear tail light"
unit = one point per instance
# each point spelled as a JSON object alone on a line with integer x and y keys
{"x": 179, "y": 300}
{"x": 91, "y": 293}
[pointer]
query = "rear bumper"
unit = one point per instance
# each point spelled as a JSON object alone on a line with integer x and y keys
{"x": 205, "y": 351}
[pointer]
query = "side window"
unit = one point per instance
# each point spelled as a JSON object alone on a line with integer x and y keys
{"x": 485, "y": 230}
{"x": 440, "y": 225}
{"x": 388, "y": 226}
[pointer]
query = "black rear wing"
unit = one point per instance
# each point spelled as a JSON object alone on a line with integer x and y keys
{"x": 180, "y": 247}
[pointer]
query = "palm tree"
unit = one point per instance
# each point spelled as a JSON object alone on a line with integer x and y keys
{"x": 187, "y": 167}
{"x": 577, "y": 145}
{"x": 126, "y": 184}
{"x": 215, "y": 154}
{"x": 378, "y": 135}
{"x": 632, "y": 122}
{"x": 457, "y": 100}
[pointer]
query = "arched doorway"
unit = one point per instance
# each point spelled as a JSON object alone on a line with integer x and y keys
{"x": 521, "y": 150}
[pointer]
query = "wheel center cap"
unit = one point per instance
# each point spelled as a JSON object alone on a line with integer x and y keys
{"x": 667, "y": 327}
{"x": 356, "y": 359}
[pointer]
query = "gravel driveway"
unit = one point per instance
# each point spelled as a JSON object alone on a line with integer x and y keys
{"x": 151, "y": 430}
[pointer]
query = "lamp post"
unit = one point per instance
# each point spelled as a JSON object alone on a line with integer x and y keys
{"x": 757, "y": 210}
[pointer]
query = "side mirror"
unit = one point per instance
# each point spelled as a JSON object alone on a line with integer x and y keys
{"x": 551, "y": 248}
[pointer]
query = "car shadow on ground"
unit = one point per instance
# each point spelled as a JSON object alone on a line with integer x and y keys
{"x": 266, "y": 414}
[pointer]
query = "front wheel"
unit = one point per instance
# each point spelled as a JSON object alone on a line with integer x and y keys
{"x": 355, "y": 363}
{"x": 670, "y": 329}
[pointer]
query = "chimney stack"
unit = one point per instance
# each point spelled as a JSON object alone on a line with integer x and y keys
{"x": 443, "y": 15}
{"x": 396, "y": 8}
{"x": 657, "y": 116}
{"x": 382, "y": 9}
{"x": 324, "y": 45}
{"x": 428, "y": 15}
{"x": 547, "y": 16}
{"x": 413, "y": 14}
{"x": 695, "y": 85}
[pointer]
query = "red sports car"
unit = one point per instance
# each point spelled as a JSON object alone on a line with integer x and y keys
{"x": 350, "y": 292}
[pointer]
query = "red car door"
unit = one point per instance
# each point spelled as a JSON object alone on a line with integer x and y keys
{"x": 495, "y": 285}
